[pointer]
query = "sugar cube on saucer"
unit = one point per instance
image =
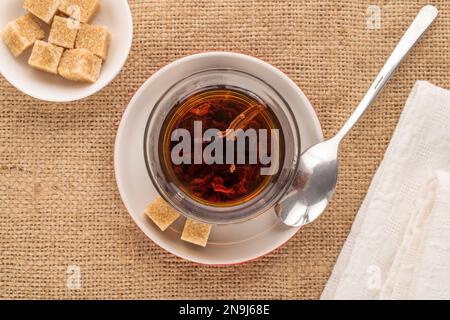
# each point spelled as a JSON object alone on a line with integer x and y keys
{"x": 82, "y": 10}
{"x": 94, "y": 38}
{"x": 64, "y": 32}
{"x": 45, "y": 57}
{"x": 196, "y": 232}
{"x": 21, "y": 34}
{"x": 161, "y": 213}
{"x": 43, "y": 9}
{"x": 80, "y": 65}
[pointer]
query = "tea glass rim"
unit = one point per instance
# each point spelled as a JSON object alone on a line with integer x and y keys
{"x": 295, "y": 130}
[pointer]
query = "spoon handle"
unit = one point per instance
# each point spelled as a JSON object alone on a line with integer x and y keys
{"x": 423, "y": 20}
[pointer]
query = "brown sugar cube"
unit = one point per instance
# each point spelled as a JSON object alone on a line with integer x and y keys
{"x": 196, "y": 232}
{"x": 45, "y": 57}
{"x": 43, "y": 9}
{"x": 82, "y": 10}
{"x": 21, "y": 34}
{"x": 80, "y": 65}
{"x": 64, "y": 32}
{"x": 161, "y": 213}
{"x": 94, "y": 38}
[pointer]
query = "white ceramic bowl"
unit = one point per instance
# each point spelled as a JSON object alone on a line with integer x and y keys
{"x": 228, "y": 244}
{"x": 115, "y": 14}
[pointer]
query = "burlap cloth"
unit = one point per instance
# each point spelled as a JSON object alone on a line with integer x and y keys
{"x": 59, "y": 205}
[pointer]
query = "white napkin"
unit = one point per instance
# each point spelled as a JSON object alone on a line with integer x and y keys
{"x": 399, "y": 244}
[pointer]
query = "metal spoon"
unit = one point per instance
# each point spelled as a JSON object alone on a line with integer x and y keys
{"x": 318, "y": 168}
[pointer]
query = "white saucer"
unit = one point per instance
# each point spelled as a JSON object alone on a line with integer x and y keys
{"x": 115, "y": 14}
{"x": 228, "y": 244}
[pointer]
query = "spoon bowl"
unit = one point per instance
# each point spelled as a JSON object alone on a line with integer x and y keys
{"x": 313, "y": 187}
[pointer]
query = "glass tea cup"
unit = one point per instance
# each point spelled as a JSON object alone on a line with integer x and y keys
{"x": 170, "y": 188}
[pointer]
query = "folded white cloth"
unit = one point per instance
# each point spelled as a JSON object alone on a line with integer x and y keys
{"x": 399, "y": 244}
